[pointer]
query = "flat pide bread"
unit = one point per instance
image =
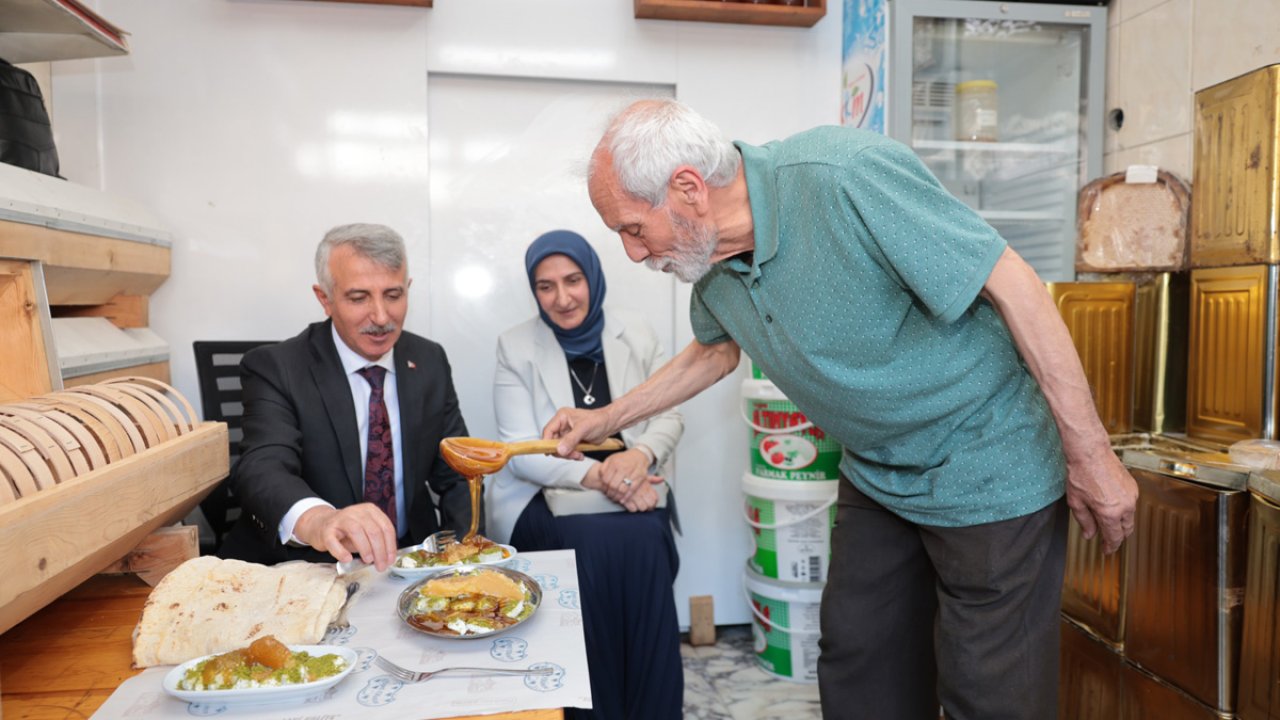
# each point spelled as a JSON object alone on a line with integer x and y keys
{"x": 208, "y": 605}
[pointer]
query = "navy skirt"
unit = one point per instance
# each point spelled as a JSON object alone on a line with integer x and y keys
{"x": 627, "y": 564}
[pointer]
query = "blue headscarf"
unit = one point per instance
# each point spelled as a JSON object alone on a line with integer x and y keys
{"x": 584, "y": 340}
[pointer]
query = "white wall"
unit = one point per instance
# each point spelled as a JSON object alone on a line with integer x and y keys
{"x": 251, "y": 126}
{"x": 1160, "y": 53}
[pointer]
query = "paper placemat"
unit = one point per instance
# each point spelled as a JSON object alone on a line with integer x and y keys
{"x": 552, "y": 636}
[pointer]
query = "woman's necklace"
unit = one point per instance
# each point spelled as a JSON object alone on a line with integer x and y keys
{"x": 587, "y": 397}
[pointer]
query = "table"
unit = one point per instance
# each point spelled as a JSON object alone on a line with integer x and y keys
{"x": 68, "y": 658}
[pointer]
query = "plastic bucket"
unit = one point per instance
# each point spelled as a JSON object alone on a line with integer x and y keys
{"x": 757, "y": 373}
{"x": 791, "y": 525}
{"x": 784, "y": 627}
{"x": 784, "y": 444}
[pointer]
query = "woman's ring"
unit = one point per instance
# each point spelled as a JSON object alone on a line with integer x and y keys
{"x": 626, "y": 481}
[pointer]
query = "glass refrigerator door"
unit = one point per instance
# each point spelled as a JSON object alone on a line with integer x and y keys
{"x": 1002, "y": 101}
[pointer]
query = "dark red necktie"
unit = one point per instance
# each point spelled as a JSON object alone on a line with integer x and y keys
{"x": 380, "y": 460}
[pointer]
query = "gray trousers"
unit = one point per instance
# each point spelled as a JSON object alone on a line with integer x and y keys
{"x": 915, "y": 616}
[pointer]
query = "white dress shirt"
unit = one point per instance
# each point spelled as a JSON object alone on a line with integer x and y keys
{"x": 352, "y": 363}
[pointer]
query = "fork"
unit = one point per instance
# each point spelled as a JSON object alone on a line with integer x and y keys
{"x": 435, "y": 542}
{"x": 412, "y": 676}
{"x": 340, "y": 622}
{"x": 438, "y": 541}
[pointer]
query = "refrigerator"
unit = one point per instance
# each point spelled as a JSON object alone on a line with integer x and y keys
{"x": 1003, "y": 101}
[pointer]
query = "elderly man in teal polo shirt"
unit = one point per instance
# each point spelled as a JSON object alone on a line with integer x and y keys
{"x": 905, "y": 327}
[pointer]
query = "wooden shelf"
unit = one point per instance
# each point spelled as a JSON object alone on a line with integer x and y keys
{"x": 87, "y": 255}
{"x": 413, "y": 3}
{"x": 93, "y": 246}
{"x": 44, "y": 30}
{"x": 82, "y": 269}
{"x": 733, "y": 12}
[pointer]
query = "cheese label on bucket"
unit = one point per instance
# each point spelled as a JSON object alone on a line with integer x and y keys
{"x": 791, "y": 527}
{"x": 784, "y": 444}
{"x": 787, "y": 452}
{"x": 785, "y": 627}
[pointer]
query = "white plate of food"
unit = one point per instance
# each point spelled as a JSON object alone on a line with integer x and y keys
{"x": 235, "y": 677}
{"x": 470, "y": 602}
{"x": 415, "y": 563}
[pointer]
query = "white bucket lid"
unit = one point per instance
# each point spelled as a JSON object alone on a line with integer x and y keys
{"x": 794, "y": 490}
{"x": 761, "y": 390}
{"x": 768, "y": 392}
{"x": 782, "y": 590}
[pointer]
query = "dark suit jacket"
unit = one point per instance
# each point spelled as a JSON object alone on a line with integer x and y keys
{"x": 300, "y": 441}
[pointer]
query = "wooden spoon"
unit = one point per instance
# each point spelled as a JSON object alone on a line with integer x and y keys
{"x": 472, "y": 457}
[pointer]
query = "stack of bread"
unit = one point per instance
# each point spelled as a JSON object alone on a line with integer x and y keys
{"x": 49, "y": 439}
{"x": 209, "y": 605}
{"x": 1133, "y": 226}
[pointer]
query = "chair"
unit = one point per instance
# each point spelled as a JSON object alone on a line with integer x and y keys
{"x": 218, "y": 372}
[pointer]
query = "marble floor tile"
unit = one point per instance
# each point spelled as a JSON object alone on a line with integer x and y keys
{"x": 724, "y": 682}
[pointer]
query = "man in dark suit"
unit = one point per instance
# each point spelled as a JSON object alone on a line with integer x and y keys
{"x": 342, "y": 424}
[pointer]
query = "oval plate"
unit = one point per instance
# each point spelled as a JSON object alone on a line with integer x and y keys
{"x": 533, "y": 593}
{"x": 433, "y": 570}
{"x": 276, "y": 694}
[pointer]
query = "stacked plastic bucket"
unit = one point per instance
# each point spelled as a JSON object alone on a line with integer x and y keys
{"x": 790, "y": 492}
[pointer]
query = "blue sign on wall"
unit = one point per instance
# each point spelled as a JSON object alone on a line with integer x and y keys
{"x": 862, "y": 79}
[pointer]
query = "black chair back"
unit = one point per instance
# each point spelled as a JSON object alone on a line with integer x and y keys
{"x": 218, "y": 371}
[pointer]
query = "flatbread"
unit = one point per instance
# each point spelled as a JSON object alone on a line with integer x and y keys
{"x": 209, "y": 605}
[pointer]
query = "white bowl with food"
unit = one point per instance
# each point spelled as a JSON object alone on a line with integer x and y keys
{"x": 470, "y": 602}
{"x": 414, "y": 563}
{"x": 261, "y": 673}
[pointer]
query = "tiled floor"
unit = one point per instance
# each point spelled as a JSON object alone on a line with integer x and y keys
{"x": 724, "y": 682}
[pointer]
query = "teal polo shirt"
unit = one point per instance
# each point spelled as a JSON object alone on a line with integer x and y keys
{"x": 861, "y": 303}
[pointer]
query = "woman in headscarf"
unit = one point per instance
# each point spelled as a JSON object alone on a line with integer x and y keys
{"x": 576, "y": 353}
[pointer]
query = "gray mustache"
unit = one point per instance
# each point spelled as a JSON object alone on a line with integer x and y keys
{"x": 376, "y": 329}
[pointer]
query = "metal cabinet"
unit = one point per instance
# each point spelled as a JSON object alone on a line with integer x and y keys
{"x": 1186, "y": 573}
{"x": 1231, "y": 363}
{"x": 1130, "y": 330}
{"x": 1259, "y": 696}
{"x": 1235, "y": 219}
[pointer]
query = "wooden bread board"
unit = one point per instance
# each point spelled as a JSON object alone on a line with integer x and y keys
{"x": 55, "y": 538}
{"x": 86, "y": 473}
{"x": 61, "y": 435}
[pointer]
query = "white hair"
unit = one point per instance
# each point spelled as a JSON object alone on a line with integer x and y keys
{"x": 378, "y": 243}
{"x": 651, "y": 138}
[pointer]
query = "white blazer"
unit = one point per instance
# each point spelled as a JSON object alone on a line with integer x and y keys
{"x": 532, "y": 382}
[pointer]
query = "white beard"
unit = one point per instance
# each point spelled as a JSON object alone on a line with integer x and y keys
{"x": 691, "y": 252}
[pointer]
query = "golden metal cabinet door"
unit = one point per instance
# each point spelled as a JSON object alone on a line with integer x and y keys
{"x": 1093, "y": 586}
{"x": 1099, "y": 316}
{"x": 1089, "y": 676}
{"x": 1145, "y": 696}
{"x": 1186, "y": 574}
{"x": 1228, "y": 349}
{"x": 1235, "y": 215}
{"x": 1160, "y": 353}
{"x": 1259, "y": 696}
